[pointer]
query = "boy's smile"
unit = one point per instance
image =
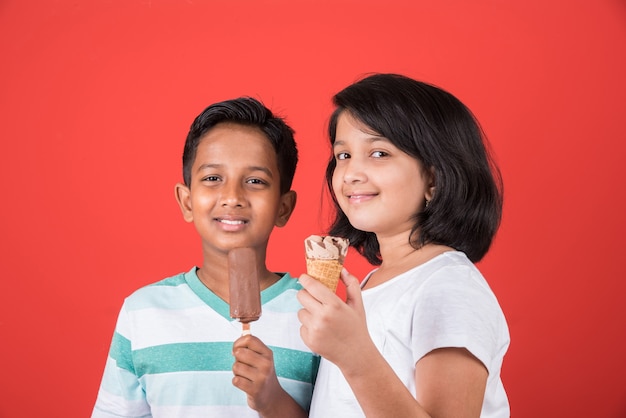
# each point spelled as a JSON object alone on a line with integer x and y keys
{"x": 231, "y": 224}
{"x": 234, "y": 198}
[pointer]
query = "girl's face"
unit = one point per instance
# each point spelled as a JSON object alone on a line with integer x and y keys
{"x": 379, "y": 187}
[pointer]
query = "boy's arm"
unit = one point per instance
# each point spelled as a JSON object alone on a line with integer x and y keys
{"x": 256, "y": 376}
{"x": 120, "y": 393}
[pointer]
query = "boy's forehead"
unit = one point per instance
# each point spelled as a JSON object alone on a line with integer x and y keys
{"x": 235, "y": 130}
{"x": 236, "y": 126}
{"x": 237, "y": 141}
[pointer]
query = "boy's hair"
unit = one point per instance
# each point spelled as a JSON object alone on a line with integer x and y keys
{"x": 250, "y": 112}
{"x": 438, "y": 130}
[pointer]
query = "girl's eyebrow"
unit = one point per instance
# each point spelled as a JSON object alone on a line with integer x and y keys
{"x": 370, "y": 140}
{"x": 251, "y": 168}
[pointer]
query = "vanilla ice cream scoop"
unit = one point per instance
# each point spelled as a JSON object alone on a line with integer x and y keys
{"x": 324, "y": 258}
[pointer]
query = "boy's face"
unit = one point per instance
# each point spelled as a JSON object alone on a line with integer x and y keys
{"x": 234, "y": 198}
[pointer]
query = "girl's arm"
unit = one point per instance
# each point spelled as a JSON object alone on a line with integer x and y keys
{"x": 450, "y": 381}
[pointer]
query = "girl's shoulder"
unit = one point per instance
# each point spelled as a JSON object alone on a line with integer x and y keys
{"x": 448, "y": 269}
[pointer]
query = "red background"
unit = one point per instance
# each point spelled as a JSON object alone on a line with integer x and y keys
{"x": 96, "y": 98}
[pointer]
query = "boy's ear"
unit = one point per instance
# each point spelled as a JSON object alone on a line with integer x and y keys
{"x": 285, "y": 209}
{"x": 183, "y": 197}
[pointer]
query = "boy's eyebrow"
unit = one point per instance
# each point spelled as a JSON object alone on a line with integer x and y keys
{"x": 263, "y": 169}
{"x": 251, "y": 168}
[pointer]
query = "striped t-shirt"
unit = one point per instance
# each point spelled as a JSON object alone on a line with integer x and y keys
{"x": 171, "y": 353}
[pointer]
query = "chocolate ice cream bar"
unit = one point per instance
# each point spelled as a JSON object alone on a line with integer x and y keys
{"x": 245, "y": 293}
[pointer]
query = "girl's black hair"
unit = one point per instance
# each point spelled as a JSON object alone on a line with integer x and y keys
{"x": 433, "y": 126}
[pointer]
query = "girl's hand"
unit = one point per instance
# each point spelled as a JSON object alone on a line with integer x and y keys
{"x": 254, "y": 372}
{"x": 330, "y": 327}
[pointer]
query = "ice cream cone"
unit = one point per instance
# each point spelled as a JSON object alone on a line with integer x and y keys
{"x": 326, "y": 271}
{"x": 324, "y": 258}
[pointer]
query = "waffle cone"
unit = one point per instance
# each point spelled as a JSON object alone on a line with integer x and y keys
{"x": 324, "y": 270}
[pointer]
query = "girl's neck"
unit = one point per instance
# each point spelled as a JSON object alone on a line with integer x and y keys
{"x": 400, "y": 259}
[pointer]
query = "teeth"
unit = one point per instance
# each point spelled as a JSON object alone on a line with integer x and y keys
{"x": 226, "y": 221}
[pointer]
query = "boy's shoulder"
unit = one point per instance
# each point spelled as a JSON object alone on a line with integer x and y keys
{"x": 286, "y": 282}
{"x": 166, "y": 285}
{"x": 175, "y": 280}
{"x": 282, "y": 295}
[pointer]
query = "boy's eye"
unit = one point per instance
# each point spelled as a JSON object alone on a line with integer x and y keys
{"x": 211, "y": 178}
{"x": 342, "y": 156}
{"x": 256, "y": 181}
{"x": 379, "y": 154}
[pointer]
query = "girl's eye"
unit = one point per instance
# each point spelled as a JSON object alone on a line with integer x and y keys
{"x": 342, "y": 156}
{"x": 379, "y": 154}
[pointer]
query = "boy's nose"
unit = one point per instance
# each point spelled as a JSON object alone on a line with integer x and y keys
{"x": 232, "y": 195}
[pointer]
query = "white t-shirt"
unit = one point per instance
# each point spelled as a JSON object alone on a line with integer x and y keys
{"x": 445, "y": 302}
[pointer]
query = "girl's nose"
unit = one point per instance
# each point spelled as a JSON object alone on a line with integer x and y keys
{"x": 354, "y": 172}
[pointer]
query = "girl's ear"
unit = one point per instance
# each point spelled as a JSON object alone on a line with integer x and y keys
{"x": 183, "y": 197}
{"x": 285, "y": 209}
{"x": 430, "y": 182}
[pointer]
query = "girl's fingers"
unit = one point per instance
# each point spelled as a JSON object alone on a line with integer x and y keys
{"x": 316, "y": 289}
{"x": 353, "y": 291}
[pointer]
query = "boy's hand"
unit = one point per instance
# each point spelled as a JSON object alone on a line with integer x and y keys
{"x": 255, "y": 374}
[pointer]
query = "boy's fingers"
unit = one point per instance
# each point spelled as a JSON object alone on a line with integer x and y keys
{"x": 243, "y": 341}
{"x": 252, "y": 344}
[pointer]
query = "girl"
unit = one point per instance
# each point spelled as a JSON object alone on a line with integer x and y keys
{"x": 417, "y": 194}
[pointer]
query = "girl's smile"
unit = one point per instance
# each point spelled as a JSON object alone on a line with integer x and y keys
{"x": 360, "y": 197}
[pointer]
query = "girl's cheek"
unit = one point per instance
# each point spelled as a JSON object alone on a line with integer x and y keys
{"x": 337, "y": 182}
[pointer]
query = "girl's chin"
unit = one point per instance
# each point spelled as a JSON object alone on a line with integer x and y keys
{"x": 362, "y": 226}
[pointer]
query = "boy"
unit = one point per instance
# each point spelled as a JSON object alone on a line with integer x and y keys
{"x": 172, "y": 350}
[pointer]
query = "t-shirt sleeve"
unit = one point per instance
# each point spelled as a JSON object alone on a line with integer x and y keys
{"x": 456, "y": 308}
{"x": 120, "y": 393}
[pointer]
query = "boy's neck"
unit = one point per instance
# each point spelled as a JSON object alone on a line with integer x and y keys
{"x": 215, "y": 277}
